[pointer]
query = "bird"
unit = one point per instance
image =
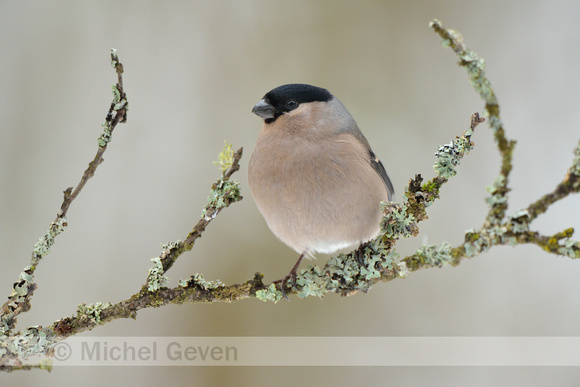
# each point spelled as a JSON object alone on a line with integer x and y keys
{"x": 313, "y": 175}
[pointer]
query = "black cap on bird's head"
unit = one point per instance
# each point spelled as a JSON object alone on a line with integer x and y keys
{"x": 286, "y": 98}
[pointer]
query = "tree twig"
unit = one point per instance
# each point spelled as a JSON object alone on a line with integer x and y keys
{"x": 19, "y": 299}
{"x": 475, "y": 67}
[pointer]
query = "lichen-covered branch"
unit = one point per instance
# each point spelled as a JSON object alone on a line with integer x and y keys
{"x": 570, "y": 184}
{"x": 344, "y": 274}
{"x": 475, "y": 67}
{"x": 19, "y": 299}
{"x": 36, "y": 339}
{"x": 223, "y": 193}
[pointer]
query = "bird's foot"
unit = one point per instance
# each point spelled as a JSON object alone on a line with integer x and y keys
{"x": 290, "y": 276}
{"x": 283, "y": 281}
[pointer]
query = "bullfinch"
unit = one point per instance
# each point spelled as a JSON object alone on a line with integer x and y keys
{"x": 313, "y": 174}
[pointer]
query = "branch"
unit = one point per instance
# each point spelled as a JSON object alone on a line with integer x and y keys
{"x": 19, "y": 300}
{"x": 345, "y": 273}
{"x": 223, "y": 193}
{"x": 23, "y": 289}
{"x": 476, "y": 71}
{"x": 570, "y": 184}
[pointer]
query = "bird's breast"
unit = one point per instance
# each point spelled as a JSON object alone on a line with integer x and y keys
{"x": 316, "y": 193}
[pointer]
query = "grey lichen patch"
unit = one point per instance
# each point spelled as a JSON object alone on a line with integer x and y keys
{"x": 477, "y": 242}
{"x": 312, "y": 281}
{"x": 222, "y": 194}
{"x": 402, "y": 269}
{"x": 155, "y": 278}
{"x": 170, "y": 247}
{"x": 571, "y": 248}
{"x": 92, "y": 311}
{"x": 42, "y": 247}
{"x": 435, "y": 255}
{"x": 25, "y": 280}
{"x": 118, "y": 103}
{"x": 271, "y": 293}
{"x": 497, "y": 191}
{"x": 494, "y": 121}
{"x": 25, "y": 286}
{"x": 106, "y": 136}
{"x": 344, "y": 274}
{"x": 348, "y": 275}
{"x": 4, "y": 325}
{"x": 450, "y": 155}
{"x": 397, "y": 221}
{"x": 445, "y": 42}
{"x": 199, "y": 281}
{"x": 31, "y": 341}
{"x": 519, "y": 222}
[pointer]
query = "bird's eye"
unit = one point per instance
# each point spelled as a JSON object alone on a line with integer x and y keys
{"x": 291, "y": 104}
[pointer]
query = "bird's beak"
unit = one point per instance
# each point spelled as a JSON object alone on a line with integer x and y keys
{"x": 264, "y": 110}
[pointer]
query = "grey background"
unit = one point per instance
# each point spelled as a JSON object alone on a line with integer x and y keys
{"x": 193, "y": 72}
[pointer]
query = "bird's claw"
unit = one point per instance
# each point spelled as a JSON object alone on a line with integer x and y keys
{"x": 291, "y": 276}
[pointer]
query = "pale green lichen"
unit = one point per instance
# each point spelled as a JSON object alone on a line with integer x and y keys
{"x": 225, "y": 158}
{"x": 33, "y": 340}
{"x": 271, "y": 293}
{"x": 344, "y": 274}
{"x": 106, "y": 136}
{"x": 435, "y": 255}
{"x": 477, "y": 242}
{"x": 571, "y": 248}
{"x": 493, "y": 121}
{"x": 4, "y": 327}
{"x": 155, "y": 278}
{"x": 222, "y": 194}
{"x": 92, "y": 311}
{"x": 397, "y": 221}
{"x": 170, "y": 247}
{"x": 25, "y": 284}
{"x": 450, "y": 155}
{"x": 117, "y": 104}
{"x": 497, "y": 190}
{"x": 25, "y": 280}
{"x": 312, "y": 281}
{"x": 402, "y": 269}
{"x": 199, "y": 281}
{"x": 42, "y": 247}
{"x": 519, "y": 222}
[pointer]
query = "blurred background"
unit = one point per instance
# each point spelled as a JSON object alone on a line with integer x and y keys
{"x": 194, "y": 70}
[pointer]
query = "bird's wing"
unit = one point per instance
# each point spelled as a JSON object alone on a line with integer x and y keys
{"x": 378, "y": 166}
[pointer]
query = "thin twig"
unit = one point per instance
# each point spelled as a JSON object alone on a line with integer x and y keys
{"x": 475, "y": 67}
{"x": 114, "y": 117}
{"x": 211, "y": 210}
{"x": 19, "y": 300}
